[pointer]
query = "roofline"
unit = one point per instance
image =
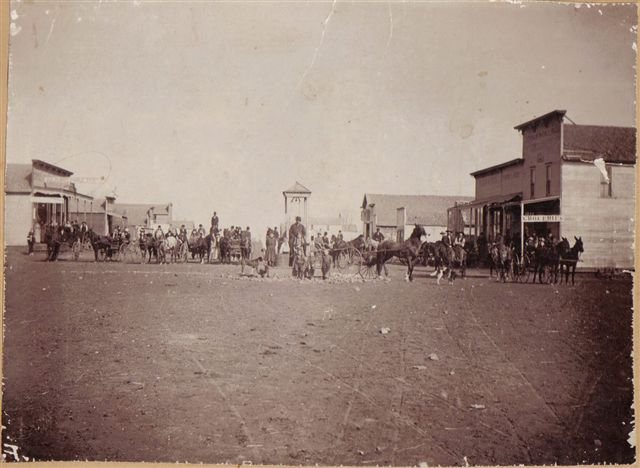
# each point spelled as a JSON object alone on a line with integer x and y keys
{"x": 417, "y": 195}
{"x": 51, "y": 167}
{"x": 576, "y": 159}
{"x": 561, "y": 113}
{"x": 512, "y": 162}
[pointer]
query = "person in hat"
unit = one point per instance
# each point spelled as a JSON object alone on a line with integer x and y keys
{"x": 378, "y": 236}
{"x": 158, "y": 234}
{"x": 214, "y": 220}
{"x": 295, "y": 229}
{"x": 447, "y": 240}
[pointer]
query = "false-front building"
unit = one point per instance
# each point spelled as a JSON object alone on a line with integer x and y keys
{"x": 572, "y": 180}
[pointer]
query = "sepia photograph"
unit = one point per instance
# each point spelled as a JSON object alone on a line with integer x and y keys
{"x": 286, "y": 232}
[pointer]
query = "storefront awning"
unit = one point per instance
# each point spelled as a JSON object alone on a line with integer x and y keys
{"x": 497, "y": 200}
{"x": 49, "y": 200}
{"x": 541, "y": 200}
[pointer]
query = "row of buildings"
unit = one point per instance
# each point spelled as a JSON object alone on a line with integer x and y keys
{"x": 571, "y": 180}
{"x": 42, "y": 193}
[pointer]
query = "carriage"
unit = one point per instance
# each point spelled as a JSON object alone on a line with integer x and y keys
{"x": 235, "y": 250}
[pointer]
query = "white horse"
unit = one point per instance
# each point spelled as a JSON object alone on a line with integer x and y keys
{"x": 169, "y": 245}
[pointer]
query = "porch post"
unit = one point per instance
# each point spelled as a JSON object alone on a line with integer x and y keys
{"x": 521, "y": 228}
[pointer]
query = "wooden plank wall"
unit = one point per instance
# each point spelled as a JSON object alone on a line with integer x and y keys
{"x": 605, "y": 224}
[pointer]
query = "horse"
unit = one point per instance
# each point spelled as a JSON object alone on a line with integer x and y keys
{"x": 408, "y": 250}
{"x": 225, "y": 250}
{"x": 198, "y": 247}
{"x": 100, "y": 244}
{"x": 568, "y": 258}
{"x": 547, "y": 260}
{"x": 501, "y": 259}
{"x": 169, "y": 245}
{"x": 151, "y": 247}
{"x": 443, "y": 260}
{"x": 210, "y": 247}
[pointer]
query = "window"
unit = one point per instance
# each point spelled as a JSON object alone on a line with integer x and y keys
{"x": 605, "y": 184}
{"x": 532, "y": 179}
{"x": 548, "y": 186}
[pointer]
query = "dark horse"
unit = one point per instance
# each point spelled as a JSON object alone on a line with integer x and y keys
{"x": 501, "y": 259}
{"x": 152, "y": 247}
{"x": 408, "y": 250}
{"x": 444, "y": 261}
{"x": 100, "y": 244}
{"x": 568, "y": 258}
{"x": 199, "y": 247}
{"x": 547, "y": 259}
{"x": 225, "y": 250}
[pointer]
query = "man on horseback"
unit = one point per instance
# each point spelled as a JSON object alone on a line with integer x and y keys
{"x": 447, "y": 240}
{"x": 458, "y": 246}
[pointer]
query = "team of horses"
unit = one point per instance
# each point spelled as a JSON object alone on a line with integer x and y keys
{"x": 548, "y": 262}
{"x": 164, "y": 249}
{"x": 551, "y": 263}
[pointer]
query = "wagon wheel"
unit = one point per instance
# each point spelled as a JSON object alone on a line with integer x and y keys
{"x": 368, "y": 267}
{"x": 76, "y": 248}
{"x": 344, "y": 259}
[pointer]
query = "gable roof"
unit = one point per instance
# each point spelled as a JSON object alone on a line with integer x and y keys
{"x": 588, "y": 142}
{"x": 297, "y": 188}
{"x": 554, "y": 113}
{"x": 18, "y": 178}
{"x": 497, "y": 167}
{"x": 136, "y": 213}
{"x": 427, "y": 210}
{"x": 52, "y": 168}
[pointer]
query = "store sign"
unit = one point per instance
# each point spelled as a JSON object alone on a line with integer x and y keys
{"x": 542, "y": 218}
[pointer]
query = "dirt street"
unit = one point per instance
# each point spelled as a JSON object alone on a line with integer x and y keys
{"x": 191, "y": 363}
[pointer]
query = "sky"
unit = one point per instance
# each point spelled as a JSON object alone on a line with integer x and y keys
{"x": 223, "y": 105}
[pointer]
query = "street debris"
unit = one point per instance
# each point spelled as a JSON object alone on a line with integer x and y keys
{"x": 475, "y": 406}
{"x": 419, "y": 367}
{"x": 434, "y": 357}
{"x": 385, "y": 330}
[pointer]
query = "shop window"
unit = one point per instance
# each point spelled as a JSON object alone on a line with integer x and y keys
{"x": 532, "y": 181}
{"x": 548, "y": 184}
{"x": 605, "y": 184}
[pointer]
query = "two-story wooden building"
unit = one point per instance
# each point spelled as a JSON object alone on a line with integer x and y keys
{"x": 572, "y": 180}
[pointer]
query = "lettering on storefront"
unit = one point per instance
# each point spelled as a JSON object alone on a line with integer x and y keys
{"x": 542, "y": 218}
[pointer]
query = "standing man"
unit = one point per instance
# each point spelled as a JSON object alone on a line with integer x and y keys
{"x": 31, "y": 240}
{"x": 84, "y": 228}
{"x": 378, "y": 236}
{"x": 201, "y": 230}
{"x": 214, "y": 221}
{"x": 245, "y": 243}
{"x": 295, "y": 229}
